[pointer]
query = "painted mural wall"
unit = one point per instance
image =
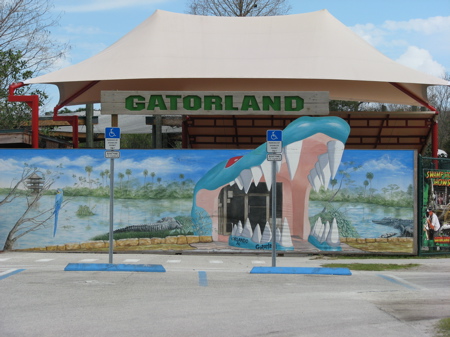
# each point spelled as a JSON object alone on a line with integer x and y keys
{"x": 328, "y": 198}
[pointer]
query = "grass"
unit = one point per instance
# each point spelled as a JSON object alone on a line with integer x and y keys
{"x": 442, "y": 328}
{"x": 371, "y": 266}
{"x": 380, "y": 257}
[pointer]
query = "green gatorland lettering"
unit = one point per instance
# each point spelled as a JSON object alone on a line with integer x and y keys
{"x": 213, "y": 103}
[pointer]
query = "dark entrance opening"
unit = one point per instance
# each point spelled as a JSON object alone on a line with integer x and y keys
{"x": 256, "y": 205}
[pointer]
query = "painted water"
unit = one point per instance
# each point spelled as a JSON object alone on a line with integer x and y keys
{"x": 74, "y": 228}
{"x": 127, "y": 212}
{"x": 362, "y": 214}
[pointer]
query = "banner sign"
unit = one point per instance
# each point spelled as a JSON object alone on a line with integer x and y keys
{"x": 214, "y": 103}
{"x": 439, "y": 178}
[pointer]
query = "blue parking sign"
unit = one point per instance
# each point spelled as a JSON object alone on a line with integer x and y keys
{"x": 112, "y": 132}
{"x": 274, "y": 135}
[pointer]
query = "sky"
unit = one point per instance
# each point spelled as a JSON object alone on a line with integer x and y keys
{"x": 388, "y": 166}
{"x": 415, "y": 33}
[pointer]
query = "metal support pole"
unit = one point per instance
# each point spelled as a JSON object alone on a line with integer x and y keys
{"x": 89, "y": 126}
{"x": 111, "y": 210}
{"x": 274, "y": 213}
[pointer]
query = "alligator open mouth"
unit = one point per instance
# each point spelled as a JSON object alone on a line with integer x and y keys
{"x": 237, "y": 191}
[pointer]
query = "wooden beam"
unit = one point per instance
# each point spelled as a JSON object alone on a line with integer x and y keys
{"x": 48, "y": 121}
{"x": 97, "y": 136}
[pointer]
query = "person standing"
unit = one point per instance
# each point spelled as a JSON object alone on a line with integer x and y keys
{"x": 433, "y": 224}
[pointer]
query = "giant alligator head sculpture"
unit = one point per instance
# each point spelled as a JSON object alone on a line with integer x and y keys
{"x": 312, "y": 152}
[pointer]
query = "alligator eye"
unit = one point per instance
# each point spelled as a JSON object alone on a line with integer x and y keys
{"x": 232, "y": 161}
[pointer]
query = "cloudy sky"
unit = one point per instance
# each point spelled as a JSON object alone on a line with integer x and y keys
{"x": 415, "y": 33}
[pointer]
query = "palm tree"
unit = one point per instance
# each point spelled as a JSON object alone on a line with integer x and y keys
{"x": 153, "y": 174}
{"x": 102, "y": 175}
{"x": 145, "y": 175}
{"x": 128, "y": 173}
{"x": 369, "y": 176}
{"x": 120, "y": 175}
{"x": 88, "y": 169}
{"x": 365, "y": 183}
{"x": 333, "y": 183}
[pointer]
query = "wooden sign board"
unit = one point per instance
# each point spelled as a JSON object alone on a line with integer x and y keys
{"x": 214, "y": 103}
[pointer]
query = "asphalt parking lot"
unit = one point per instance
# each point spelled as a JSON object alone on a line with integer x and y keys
{"x": 216, "y": 295}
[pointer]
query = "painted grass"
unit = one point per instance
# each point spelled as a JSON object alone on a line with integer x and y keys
{"x": 371, "y": 266}
{"x": 442, "y": 328}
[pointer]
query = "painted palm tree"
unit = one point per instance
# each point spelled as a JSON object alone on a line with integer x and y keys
{"x": 365, "y": 183}
{"x": 145, "y": 176}
{"x": 153, "y": 174}
{"x": 120, "y": 175}
{"x": 88, "y": 170}
{"x": 369, "y": 176}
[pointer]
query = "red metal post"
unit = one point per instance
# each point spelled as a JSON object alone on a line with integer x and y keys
{"x": 33, "y": 103}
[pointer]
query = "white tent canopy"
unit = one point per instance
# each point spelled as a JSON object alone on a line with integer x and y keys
{"x": 301, "y": 52}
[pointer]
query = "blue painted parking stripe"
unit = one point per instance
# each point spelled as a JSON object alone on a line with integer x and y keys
{"x": 11, "y": 273}
{"x": 300, "y": 270}
{"x": 202, "y": 279}
{"x": 393, "y": 280}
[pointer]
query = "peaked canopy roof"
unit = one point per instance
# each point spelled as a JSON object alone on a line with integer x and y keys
{"x": 301, "y": 52}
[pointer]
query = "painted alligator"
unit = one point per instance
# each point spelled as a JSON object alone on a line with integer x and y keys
{"x": 312, "y": 152}
{"x": 404, "y": 226}
{"x": 167, "y": 223}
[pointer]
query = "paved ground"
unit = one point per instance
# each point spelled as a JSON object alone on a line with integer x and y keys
{"x": 215, "y": 295}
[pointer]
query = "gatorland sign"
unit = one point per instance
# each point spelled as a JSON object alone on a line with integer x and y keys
{"x": 219, "y": 103}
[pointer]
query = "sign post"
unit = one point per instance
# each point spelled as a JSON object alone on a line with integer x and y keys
{"x": 274, "y": 141}
{"x": 112, "y": 142}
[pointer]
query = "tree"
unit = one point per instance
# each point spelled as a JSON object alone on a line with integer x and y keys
{"x": 88, "y": 170}
{"x": 128, "y": 173}
{"x": 238, "y": 7}
{"x": 365, "y": 183}
{"x": 33, "y": 218}
{"x": 26, "y": 49}
{"x": 145, "y": 172}
{"x": 120, "y": 175}
{"x": 13, "y": 68}
{"x": 369, "y": 176}
{"x": 440, "y": 98}
{"x": 25, "y": 27}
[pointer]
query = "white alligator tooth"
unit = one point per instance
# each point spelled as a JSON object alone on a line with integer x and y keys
{"x": 318, "y": 228}
{"x": 325, "y": 232}
{"x": 231, "y": 183}
{"x": 335, "y": 151}
{"x": 311, "y": 182}
{"x": 266, "y": 167}
{"x": 267, "y": 234}
{"x": 324, "y": 164}
{"x": 233, "y": 232}
{"x": 247, "y": 232}
{"x": 246, "y": 178}
{"x": 239, "y": 182}
{"x": 277, "y": 235}
{"x": 292, "y": 154}
{"x": 256, "y": 238}
{"x": 315, "y": 180}
{"x": 239, "y": 228}
{"x": 257, "y": 174}
{"x": 333, "y": 236}
{"x": 319, "y": 173}
{"x": 286, "y": 239}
